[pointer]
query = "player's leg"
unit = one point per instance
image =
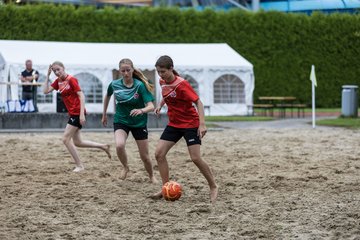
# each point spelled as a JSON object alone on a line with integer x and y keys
{"x": 89, "y": 144}
{"x": 168, "y": 139}
{"x": 143, "y": 146}
{"x": 162, "y": 149}
{"x": 120, "y": 142}
{"x": 194, "y": 151}
{"x": 68, "y": 134}
{"x": 194, "y": 142}
{"x": 141, "y": 138}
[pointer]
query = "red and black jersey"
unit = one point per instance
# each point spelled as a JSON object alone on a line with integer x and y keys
{"x": 68, "y": 89}
{"x": 179, "y": 97}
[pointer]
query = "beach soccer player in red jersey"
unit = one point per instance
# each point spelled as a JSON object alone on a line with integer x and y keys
{"x": 184, "y": 121}
{"x": 74, "y": 100}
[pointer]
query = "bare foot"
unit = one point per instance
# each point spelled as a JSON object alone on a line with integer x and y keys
{"x": 78, "y": 169}
{"x": 213, "y": 194}
{"x": 107, "y": 150}
{"x": 156, "y": 196}
{"x": 153, "y": 180}
{"x": 124, "y": 173}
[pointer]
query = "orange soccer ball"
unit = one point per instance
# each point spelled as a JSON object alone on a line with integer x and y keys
{"x": 171, "y": 191}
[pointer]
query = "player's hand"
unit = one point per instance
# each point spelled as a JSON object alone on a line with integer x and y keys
{"x": 136, "y": 112}
{"x": 82, "y": 119}
{"x": 157, "y": 111}
{"x": 104, "y": 120}
{"x": 49, "y": 70}
{"x": 202, "y": 131}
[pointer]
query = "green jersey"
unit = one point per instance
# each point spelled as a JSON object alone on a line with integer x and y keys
{"x": 127, "y": 99}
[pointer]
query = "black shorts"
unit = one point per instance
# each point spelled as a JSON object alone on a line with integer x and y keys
{"x": 75, "y": 121}
{"x": 138, "y": 133}
{"x": 173, "y": 134}
{"x": 27, "y": 95}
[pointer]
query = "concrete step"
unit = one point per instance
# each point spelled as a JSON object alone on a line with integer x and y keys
{"x": 59, "y": 120}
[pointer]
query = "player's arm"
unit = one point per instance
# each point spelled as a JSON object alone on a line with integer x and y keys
{"x": 47, "y": 89}
{"x": 107, "y": 98}
{"x": 106, "y": 104}
{"x": 82, "y": 107}
{"x": 158, "y": 108}
{"x": 202, "y": 127}
{"x": 148, "y": 108}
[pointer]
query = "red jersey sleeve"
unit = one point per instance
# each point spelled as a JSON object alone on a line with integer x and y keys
{"x": 73, "y": 82}
{"x": 190, "y": 93}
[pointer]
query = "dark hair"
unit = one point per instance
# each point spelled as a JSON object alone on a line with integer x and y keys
{"x": 166, "y": 62}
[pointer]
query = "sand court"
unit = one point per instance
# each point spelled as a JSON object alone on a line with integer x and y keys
{"x": 274, "y": 184}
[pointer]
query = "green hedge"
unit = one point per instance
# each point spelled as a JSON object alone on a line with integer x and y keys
{"x": 281, "y": 46}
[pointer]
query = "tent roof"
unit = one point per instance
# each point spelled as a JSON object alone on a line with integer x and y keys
{"x": 217, "y": 55}
{"x": 310, "y": 5}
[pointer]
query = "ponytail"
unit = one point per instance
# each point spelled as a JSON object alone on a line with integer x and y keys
{"x": 139, "y": 75}
{"x": 176, "y": 73}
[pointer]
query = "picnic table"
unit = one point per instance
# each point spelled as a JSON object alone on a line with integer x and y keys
{"x": 277, "y": 98}
{"x": 269, "y": 103}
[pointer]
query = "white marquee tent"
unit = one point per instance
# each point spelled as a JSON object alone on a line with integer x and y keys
{"x": 221, "y": 76}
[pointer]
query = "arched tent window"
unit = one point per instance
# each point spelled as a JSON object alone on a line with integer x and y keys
{"x": 194, "y": 84}
{"x": 41, "y": 97}
{"x": 229, "y": 88}
{"x": 91, "y": 86}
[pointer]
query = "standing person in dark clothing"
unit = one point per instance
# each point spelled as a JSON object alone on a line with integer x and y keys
{"x": 29, "y": 75}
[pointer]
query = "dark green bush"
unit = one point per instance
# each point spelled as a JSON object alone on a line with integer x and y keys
{"x": 281, "y": 46}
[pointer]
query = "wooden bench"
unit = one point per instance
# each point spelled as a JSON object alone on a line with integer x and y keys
{"x": 282, "y": 109}
{"x": 265, "y": 108}
{"x": 300, "y": 109}
{"x": 282, "y": 103}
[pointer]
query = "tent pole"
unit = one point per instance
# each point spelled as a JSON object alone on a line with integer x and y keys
{"x": 237, "y": 4}
{"x": 255, "y": 5}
